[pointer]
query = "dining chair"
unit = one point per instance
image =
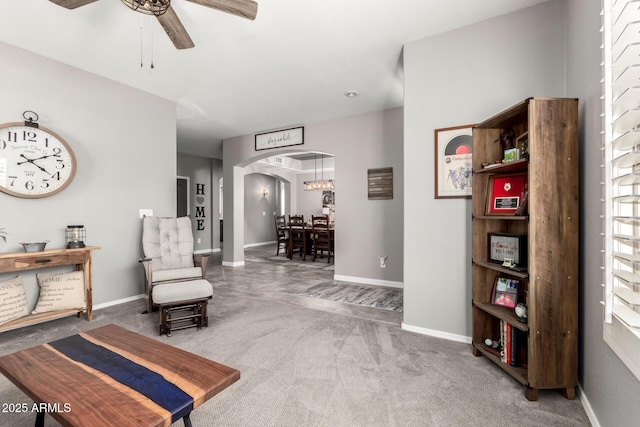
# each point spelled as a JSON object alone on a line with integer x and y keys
{"x": 282, "y": 233}
{"x": 297, "y": 236}
{"x": 321, "y": 236}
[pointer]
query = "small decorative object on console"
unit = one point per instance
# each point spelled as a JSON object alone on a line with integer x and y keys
{"x": 34, "y": 247}
{"x": 76, "y": 235}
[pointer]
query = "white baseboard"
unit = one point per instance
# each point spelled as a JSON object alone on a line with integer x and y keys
{"x": 437, "y": 334}
{"x": 366, "y": 281}
{"x": 232, "y": 264}
{"x": 252, "y": 245}
{"x": 118, "y": 301}
{"x": 206, "y": 251}
{"x": 587, "y": 407}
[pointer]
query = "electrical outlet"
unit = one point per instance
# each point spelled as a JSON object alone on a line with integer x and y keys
{"x": 383, "y": 261}
{"x": 199, "y": 240}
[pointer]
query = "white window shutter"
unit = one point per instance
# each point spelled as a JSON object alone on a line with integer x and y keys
{"x": 621, "y": 161}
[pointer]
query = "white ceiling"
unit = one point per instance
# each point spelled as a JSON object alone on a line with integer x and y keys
{"x": 289, "y": 67}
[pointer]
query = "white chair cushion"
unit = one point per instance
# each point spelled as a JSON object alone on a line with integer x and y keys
{"x": 177, "y": 274}
{"x": 168, "y": 293}
{"x": 168, "y": 242}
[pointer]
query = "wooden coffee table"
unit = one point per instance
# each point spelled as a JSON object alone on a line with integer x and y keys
{"x": 112, "y": 376}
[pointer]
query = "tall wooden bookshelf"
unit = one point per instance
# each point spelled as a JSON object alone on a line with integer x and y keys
{"x": 548, "y": 353}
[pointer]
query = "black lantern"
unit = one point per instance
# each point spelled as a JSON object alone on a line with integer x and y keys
{"x": 76, "y": 235}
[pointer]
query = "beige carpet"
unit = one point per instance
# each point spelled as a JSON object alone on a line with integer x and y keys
{"x": 302, "y": 367}
{"x": 311, "y": 362}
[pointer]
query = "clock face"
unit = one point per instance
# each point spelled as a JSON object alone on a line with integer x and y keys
{"x": 34, "y": 161}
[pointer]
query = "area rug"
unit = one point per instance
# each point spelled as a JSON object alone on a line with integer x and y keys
{"x": 384, "y": 298}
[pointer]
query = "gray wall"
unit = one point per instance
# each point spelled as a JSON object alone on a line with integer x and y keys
{"x": 364, "y": 228}
{"x": 259, "y": 226}
{"x": 458, "y": 78}
{"x": 610, "y": 388}
{"x": 203, "y": 170}
{"x": 126, "y": 161}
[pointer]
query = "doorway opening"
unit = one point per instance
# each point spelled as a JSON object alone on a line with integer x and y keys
{"x": 183, "y": 202}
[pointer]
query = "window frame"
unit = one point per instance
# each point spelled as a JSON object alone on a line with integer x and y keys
{"x": 620, "y": 330}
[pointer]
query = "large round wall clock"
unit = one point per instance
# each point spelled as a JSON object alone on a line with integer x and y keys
{"x": 34, "y": 161}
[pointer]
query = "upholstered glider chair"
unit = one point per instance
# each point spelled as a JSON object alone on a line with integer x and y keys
{"x": 167, "y": 244}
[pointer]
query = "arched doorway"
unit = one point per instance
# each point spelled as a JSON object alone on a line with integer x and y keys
{"x": 290, "y": 169}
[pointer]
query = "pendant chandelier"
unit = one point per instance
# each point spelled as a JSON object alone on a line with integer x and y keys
{"x": 149, "y": 7}
{"x": 319, "y": 184}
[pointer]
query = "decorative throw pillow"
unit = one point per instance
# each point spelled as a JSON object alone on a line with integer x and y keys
{"x": 13, "y": 300}
{"x": 60, "y": 291}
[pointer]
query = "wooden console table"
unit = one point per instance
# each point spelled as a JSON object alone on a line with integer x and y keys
{"x": 21, "y": 261}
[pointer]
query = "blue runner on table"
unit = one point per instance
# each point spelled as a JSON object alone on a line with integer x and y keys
{"x": 136, "y": 377}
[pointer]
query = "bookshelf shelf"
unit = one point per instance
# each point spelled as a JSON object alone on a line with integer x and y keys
{"x": 502, "y": 313}
{"x": 520, "y": 374}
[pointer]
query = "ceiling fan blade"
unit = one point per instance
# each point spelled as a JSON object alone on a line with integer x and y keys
{"x": 72, "y": 4}
{"x": 243, "y": 8}
{"x": 175, "y": 30}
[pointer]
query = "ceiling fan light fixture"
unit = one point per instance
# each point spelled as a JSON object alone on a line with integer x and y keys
{"x": 149, "y": 7}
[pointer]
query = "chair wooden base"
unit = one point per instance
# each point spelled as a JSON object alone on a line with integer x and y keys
{"x": 320, "y": 253}
{"x": 183, "y": 314}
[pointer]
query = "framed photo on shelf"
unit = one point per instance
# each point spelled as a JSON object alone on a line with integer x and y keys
{"x": 505, "y": 193}
{"x": 453, "y": 154}
{"x": 505, "y": 292}
{"x": 508, "y": 247}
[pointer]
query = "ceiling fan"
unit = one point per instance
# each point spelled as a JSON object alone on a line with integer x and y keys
{"x": 169, "y": 19}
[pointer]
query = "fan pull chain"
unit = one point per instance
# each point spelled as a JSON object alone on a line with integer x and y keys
{"x": 141, "y": 50}
{"x": 152, "y": 42}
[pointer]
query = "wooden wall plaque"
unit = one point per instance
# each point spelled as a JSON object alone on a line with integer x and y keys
{"x": 380, "y": 183}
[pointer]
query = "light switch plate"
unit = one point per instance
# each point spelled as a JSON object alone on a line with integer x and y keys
{"x": 146, "y": 212}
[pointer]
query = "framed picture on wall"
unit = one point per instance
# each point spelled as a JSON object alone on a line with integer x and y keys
{"x": 327, "y": 198}
{"x": 453, "y": 168}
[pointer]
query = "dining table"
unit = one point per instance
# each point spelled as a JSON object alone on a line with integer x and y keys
{"x": 308, "y": 232}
